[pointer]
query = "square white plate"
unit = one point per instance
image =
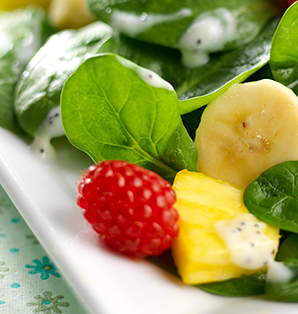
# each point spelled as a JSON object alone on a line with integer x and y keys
{"x": 44, "y": 192}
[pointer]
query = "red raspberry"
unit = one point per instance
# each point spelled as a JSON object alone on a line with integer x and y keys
{"x": 130, "y": 207}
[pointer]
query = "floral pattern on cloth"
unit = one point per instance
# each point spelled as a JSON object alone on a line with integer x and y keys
{"x": 45, "y": 268}
{"x": 30, "y": 282}
{"x": 48, "y": 303}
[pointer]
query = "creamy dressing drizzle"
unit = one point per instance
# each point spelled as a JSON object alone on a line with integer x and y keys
{"x": 51, "y": 127}
{"x": 278, "y": 272}
{"x": 149, "y": 77}
{"x": 209, "y": 32}
{"x": 250, "y": 248}
{"x": 132, "y": 24}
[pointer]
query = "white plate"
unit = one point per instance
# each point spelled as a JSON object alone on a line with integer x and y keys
{"x": 44, "y": 192}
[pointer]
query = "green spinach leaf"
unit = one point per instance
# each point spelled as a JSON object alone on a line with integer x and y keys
{"x": 238, "y": 287}
{"x": 22, "y": 32}
{"x": 162, "y": 60}
{"x": 223, "y": 70}
{"x": 284, "y": 53}
{"x": 273, "y": 196}
{"x": 9, "y": 73}
{"x": 288, "y": 248}
{"x": 113, "y": 109}
{"x": 197, "y": 87}
{"x": 286, "y": 290}
{"x": 39, "y": 89}
{"x": 174, "y": 23}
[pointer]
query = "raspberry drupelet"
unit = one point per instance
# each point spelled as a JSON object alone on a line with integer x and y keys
{"x": 130, "y": 207}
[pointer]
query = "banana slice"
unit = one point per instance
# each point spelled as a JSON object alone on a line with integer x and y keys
{"x": 246, "y": 130}
{"x": 70, "y": 14}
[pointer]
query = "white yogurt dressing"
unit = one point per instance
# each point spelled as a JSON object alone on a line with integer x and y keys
{"x": 132, "y": 24}
{"x": 51, "y": 127}
{"x": 149, "y": 77}
{"x": 250, "y": 248}
{"x": 209, "y": 32}
{"x": 278, "y": 272}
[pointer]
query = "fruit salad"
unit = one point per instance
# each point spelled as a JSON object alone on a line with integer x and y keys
{"x": 189, "y": 114}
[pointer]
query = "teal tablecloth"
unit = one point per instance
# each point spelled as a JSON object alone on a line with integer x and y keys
{"x": 29, "y": 280}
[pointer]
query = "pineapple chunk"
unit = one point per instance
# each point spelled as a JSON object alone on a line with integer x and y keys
{"x": 210, "y": 246}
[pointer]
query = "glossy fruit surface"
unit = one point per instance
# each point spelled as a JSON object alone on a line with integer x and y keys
{"x": 130, "y": 207}
{"x": 246, "y": 130}
{"x": 208, "y": 211}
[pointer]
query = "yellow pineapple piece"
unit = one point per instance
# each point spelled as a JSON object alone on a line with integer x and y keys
{"x": 218, "y": 239}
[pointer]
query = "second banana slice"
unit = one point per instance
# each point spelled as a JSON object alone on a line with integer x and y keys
{"x": 246, "y": 130}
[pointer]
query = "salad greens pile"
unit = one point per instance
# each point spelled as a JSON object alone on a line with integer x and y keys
{"x": 38, "y": 90}
{"x": 125, "y": 93}
{"x": 166, "y": 24}
{"x": 273, "y": 196}
{"x": 22, "y": 33}
{"x": 284, "y": 53}
{"x": 134, "y": 116}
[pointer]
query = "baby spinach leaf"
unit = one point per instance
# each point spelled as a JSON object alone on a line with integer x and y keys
{"x": 284, "y": 54}
{"x": 165, "y": 261}
{"x": 174, "y": 23}
{"x": 192, "y": 120}
{"x": 287, "y": 290}
{"x": 22, "y": 33}
{"x": 198, "y": 86}
{"x": 38, "y": 91}
{"x": 162, "y": 60}
{"x": 225, "y": 69}
{"x": 284, "y": 291}
{"x": 113, "y": 109}
{"x": 288, "y": 248}
{"x": 238, "y": 287}
{"x": 273, "y": 196}
{"x": 9, "y": 73}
